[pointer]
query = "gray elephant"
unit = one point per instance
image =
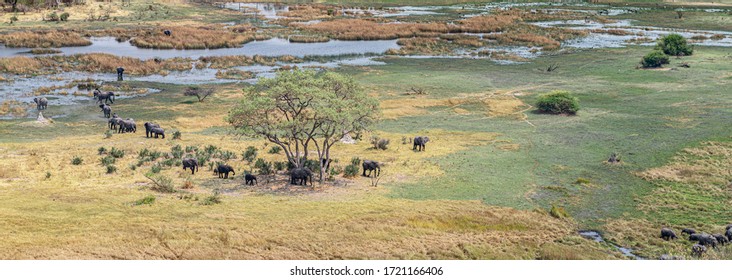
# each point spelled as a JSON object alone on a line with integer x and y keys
{"x": 223, "y": 171}
{"x": 41, "y": 103}
{"x": 127, "y": 125}
{"x": 191, "y": 163}
{"x": 114, "y": 122}
{"x": 148, "y": 128}
{"x": 704, "y": 239}
{"x": 688, "y": 231}
{"x": 698, "y": 250}
{"x": 106, "y": 96}
{"x": 107, "y": 110}
{"x": 419, "y": 142}
{"x": 299, "y": 176}
{"x": 157, "y": 131}
{"x": 721, "y": 239}
{"x": 371, "y": 165}
{"x": 668, "y": 234}
{"x": 729, "y": 233}
{"x": 250, "y": 179}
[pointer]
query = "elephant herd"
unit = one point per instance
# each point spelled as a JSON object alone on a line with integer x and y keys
{"x": 703, "y": 240}
{"x": 121, "y": 125}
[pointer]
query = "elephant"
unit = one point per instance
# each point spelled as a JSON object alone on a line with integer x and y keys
{"x": 250, "y": 179}
{"x": 668, "y": 234}
{"x": 120, "y": 72}
{"x": 299, "y": 176}
{"x": 41, "y": 103}
{"x": 106, "y": 96}
{"x": 167, "y": 32}
{"x": 114, "y": 122}
{"x": 191, "y": 163}
{"x": 688, "y": 231}
{"x": 721, "y": 239}
{"x": 704, "y": 239}
{"x": 148, "y": 128}
{"x": 107, "y": 110}
{"x": 157, "y": 131}
{"x": 698, "y": 250}
{"x": 729, "y": 234}
{"x": 419, "y": 142}
{"x": 127, "y": 125}
{"x": 371, "y": 165}
{"x": 223, "y": 171}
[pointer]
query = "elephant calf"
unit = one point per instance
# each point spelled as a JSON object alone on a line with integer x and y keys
{"x": 148, "y": 128}
{"x": 688, "y": 231}
{"x": 223, "y": 171}
{"x": 698, "y": 250}
{"x": 114, "y": 122}
{"x": 419, "y": 143}
{"x": 729, "y": 233}
{"x": 41, "y": 103}
{"x": 668, "y": 234}
{"x": 158, "y": 132}
{"x": 370, "y": 165}
{"x": 299, "y": 176}
{"x": 107, "y": 110}
{"x": 721, "y": 239}
{"x": 250, "y": 179}
{"x": 191, "y": 163}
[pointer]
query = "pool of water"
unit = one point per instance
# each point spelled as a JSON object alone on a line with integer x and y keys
{"x": 597, "y": 237}
{"x": 271, "y": 47}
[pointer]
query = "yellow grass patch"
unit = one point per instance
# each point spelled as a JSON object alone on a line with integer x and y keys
{"x": 496, "y": 104}
{"x": 43, "y": 39}
{"x": 708, "y": 164}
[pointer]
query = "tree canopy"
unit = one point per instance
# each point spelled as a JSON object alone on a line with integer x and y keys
{"x": 304, "y": 112}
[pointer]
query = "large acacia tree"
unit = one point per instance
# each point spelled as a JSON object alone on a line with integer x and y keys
{"x": 305, "y": 113}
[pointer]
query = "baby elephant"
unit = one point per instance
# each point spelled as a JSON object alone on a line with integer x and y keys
{"x": 148, "y": 127}
{"x": 419, "y": 142}
{"x": 107, "y": 110}
{"x": 250, "y": 179}
{"x": 191, "y": 163}
{"x": 668, "y": 234}
{"x": 41, "y": 103}
{"x": 157, "y": 131}
{"x": 223, "y": 171}
{"x": 721, "y": 239}
{"x": 688, "y": 231}
{"x": 698, "y": 250}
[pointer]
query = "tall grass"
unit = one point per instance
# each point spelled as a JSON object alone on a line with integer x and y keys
{"x": 43, "y": 39}
{"x": 194, "y": 38}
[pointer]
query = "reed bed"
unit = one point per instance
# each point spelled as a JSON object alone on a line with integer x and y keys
{"x": 193, "y": 38}
{"x": 223, "y": 62}
{"x": 20, "y": 65}
{"x": 43, "y": 39}
{"x": 307, "y": 39}
{"x": 234, "y": 74}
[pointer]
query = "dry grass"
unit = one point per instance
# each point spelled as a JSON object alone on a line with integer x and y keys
{"x": 494, "y": 104}
{"x": 52, "y": 218}
{"x": 234, "y": 74}
{"x": 307, "y": 39}
{"x": 20, "y": 65}
{"x": 14, "y": 108}
{"x": 43, "y": 39}
{"x": 97, "y": 62}
{"x": 224, "y": 62}
{"x": 193, "y": 38}
{"x": 710, "y": 164}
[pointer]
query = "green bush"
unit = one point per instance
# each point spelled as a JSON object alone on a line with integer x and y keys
{"x": 148, "y": 200}
{"x": 558, "y": 212}
{"x": 161, "y": 183}
{"x": 211, "y": 200}
{"x": 249, "y": 154}
{"x": 280, "y": 165}
{"x": 111, "y": 169}
{"x": 52, "y": 17}
{"x": 108, "y": 134}
{"x": 674, "y": 44}
{"x": 265, "y": 168}
{"x": 77, "y": 161}
{"x": 275, "y": 150}
{"x": 558, "y": 102}
{"x": 117, "y": 153}
{"x": 177, "y": 151}
{"x": 355, "y": 161}
{"x": 102, "y": 150}
{"x": 156, "y": 168}
{"x": 350, "y": 171}
{"x": 64, "y": 17}
{"x": 176, "y": 134}
{"x": 227, "y": 155}
{"x": 108, "y": 160}
{"x": 654, "y": 59}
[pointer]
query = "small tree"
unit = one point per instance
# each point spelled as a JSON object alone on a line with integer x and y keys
{"x": 198, "y": 92}
{"x": 558, "y": 102}
{"x": 654, "y": 59}
{"x": 674, "y": 44}
{"x": 300, "y": 109}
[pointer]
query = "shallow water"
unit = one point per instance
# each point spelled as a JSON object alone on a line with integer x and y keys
{"x": 271, "y": 47}
{"x": 598, "y": 238}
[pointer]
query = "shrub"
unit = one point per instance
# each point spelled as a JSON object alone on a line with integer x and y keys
{"x": 250, "y": 154}
{"x": 13, "y": 19}
{"x": 350, "y": 171}
{"x": 211, "y": 149}
{"x": 674, "y": 44}
{"x": 155, "y": 168}
{"x": 280, "y": 165}
{"x": 188, "y": 184}
{"x": 227, "y": 155}
{"x": 111, "y": 169}
{"x": 52, "y": 17}
{"x": 102, "y": 150}
{"x": 265, "y": 168}
{"x": 48, "y": 175}
{"x": 177, "y": 151}
{"x": 275, "y": 150}
{"x": 355, "y": 161}
{"x": 161, "y": 183}
{"x": 143, "y": 153}
{"x": 654, "y": 59}
{"x": 108, "y": 160}
{"x": 147, "y": 200}
{"x": 64, "y": 17}
{"x": 198, "y": 92}
{"x": 108, "y": 134}
{"x": 176, "y": 134}
{"x": 190, "y": 149}
{"x": 117, "y": 153}
{"x": 558, "y": 102}
{"x": 211, "y": 200}
{"x": 77, "y": 161}
{"x": 558, "y": 212}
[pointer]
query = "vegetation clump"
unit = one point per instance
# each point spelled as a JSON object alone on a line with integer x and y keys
{"x": 674, "y": 44}
{"x": 654, "y": 59}
{"x": 558, "y": 102}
